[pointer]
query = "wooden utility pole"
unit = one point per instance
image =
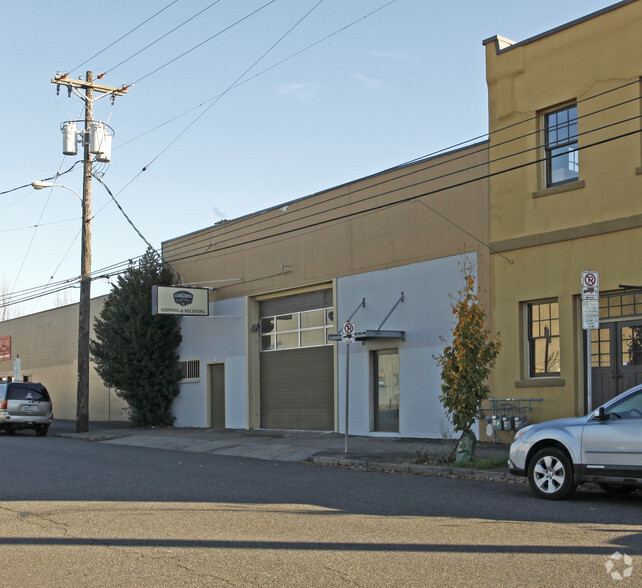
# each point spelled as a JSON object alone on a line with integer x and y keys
{"x": 84, "y": 306}
{"x": 84, "y": 311}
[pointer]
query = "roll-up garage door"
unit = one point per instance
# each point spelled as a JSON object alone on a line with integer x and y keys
{"x": 297, "y": 387}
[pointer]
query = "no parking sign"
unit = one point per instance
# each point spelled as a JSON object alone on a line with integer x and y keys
{"x": 590, "y": 300}
{"x": 590, "y": 285}
{"x": 347, "y": 334}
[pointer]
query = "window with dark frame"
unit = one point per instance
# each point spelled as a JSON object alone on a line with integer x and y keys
{"x": 543, "y": 339}
{"x": 560, "y": 128}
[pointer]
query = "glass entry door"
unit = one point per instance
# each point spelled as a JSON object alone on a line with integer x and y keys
{"x": 386, "y": 390}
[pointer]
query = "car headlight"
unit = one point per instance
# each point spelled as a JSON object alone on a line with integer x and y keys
{"x": 521, "y": 432}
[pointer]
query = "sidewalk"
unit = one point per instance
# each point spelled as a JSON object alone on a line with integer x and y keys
{"x": 388, "y": 454}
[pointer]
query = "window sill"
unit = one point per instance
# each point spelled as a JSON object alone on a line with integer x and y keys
{"x": 559, "y": 189}
{"x": 540, "y": 383}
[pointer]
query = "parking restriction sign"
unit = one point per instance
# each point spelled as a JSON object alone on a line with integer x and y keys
{"x": 590, "y": 314}
{"x": 347, "y": 334}
{"x": 590, "y": 286}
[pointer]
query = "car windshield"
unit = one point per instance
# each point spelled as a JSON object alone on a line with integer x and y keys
{"x": 627, "y": 408}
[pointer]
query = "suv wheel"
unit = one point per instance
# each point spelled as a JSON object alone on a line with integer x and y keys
{"x": 41, "y": 430}
{"x": 550, "y": 474}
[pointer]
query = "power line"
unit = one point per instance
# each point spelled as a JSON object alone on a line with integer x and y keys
{"x": 324, "y": 202}
{"x": 396, "y": 178}
{"x": 33, "y": 236}
{"x": 193, "y": 122}
{"x": 205, "y": 41}
{"x": 125, "y": 35}
{"x": 118, "y": 268}
{"x": 159, "y": 39}
{"x": 233, "y": 84}
{"x": 37, "y": 225}
{"x": 129, "y": 220}
{"x": 57, "y": 175}
{"x": 465, "y": 155}
{"x": 389, "y": 204}
{"x": 397, "y": 202}
{"x": 240, "y": 83}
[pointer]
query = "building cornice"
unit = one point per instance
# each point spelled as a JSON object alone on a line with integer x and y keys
{"x": 502, "y": 44}
{"x": 579, "y": 232}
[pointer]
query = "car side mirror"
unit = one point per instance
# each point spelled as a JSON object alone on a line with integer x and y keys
{"x": 599, "y": 414}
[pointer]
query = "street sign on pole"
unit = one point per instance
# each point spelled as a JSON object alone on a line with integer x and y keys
{"x": 590, "y": 285}
{"x": 347, "y": 333}
{"x": 590, "y": 321}
{"x": 347, "y": 336}
{"x": 590, "y": 314}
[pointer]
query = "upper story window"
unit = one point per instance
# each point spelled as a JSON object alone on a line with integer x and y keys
{"x": 544, "y": 339}
{"x": 560, "y": 127}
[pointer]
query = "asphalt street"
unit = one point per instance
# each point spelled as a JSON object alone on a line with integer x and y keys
{"x": 95, "y": 513}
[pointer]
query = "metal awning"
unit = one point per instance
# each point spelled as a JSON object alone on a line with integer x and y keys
{"x": 379, "y": 334}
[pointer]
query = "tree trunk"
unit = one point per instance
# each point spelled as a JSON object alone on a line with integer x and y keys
{"x": 466, "y": 447}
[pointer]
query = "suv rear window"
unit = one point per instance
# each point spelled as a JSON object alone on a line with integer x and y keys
{"x": 35, "y": 392}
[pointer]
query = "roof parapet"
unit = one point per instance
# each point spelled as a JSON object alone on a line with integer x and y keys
{"x": 501, "y": 43}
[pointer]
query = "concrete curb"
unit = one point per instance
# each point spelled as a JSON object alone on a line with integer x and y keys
{"x": 280, "y": 452}
{"x": 92, "y": 436}
{"x": 417, "y": 469}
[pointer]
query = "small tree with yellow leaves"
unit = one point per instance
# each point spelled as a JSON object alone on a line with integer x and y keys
{"x": 467, "y": 362}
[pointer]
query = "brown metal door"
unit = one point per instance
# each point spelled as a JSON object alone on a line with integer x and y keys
{"x": 217, "y": 395}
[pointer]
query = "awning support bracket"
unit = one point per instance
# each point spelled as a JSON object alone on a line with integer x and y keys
{"x": 362, "y": 304}
{"x": 401, "y": 299}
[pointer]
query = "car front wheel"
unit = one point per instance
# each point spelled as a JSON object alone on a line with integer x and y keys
{"x": 550, "y": 474}
{"x": 41, "y": 430}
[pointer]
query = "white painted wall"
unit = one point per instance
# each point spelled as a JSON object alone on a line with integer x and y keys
{"x": 221, "y": 337}
{"x": 425, "y": 315}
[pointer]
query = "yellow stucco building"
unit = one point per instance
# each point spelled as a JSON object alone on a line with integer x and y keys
{"x": 566, "y": 197}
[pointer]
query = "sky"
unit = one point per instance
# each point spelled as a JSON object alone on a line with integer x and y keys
{"x": 245, "y": 106}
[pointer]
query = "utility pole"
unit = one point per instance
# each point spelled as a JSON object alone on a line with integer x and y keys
{"x": 84, "y": 306}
